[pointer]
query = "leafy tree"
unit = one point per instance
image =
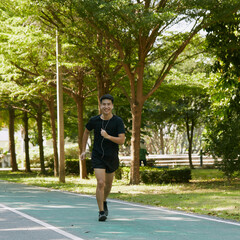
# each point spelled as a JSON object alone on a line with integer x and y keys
{"x": 139, "y": 31}
{"x": 24, "y": 52}
{"x": 8, "y": 104}
{"x": 223, "y": 131}
{"x": 92, "y": 49}
{"x": 85, "y": 56}
{"x": 78, "y": 76}
{"x": 5, "y": 95}
{"x": 140, "y": 35}
{"x": 188, "y": 111}
{"x": 223, "y": 128}
{"x": 36, "y": 60}
{"x": 182, "y": 102}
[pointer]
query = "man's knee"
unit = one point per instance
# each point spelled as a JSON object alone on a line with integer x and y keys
{"x": 101, "y": 184}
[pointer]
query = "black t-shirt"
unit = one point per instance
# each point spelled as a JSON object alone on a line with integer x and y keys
{"x": 113, "y": 127}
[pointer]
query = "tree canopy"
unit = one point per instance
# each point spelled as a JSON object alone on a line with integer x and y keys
{"x": 223, "y": 127}
{"x": 125, "y": 46}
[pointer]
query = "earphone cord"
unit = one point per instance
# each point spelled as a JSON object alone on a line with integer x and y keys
{"x": 103, "y": 137}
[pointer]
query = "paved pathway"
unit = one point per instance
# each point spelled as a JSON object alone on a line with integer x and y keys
{"x": 35, "y": 213}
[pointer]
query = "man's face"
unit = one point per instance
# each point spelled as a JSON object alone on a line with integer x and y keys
{"x": 106, "y": 106}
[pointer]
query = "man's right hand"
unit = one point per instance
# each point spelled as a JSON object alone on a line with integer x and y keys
{"x": 83, "y": 156}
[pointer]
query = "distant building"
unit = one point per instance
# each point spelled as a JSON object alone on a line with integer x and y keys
{"x": 4, "y": 146}
{"x": 4, "y": 139}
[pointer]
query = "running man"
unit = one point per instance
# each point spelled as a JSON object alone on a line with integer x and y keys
{"x": 109, "y": 132}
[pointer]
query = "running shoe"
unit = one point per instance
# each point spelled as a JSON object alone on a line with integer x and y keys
{"x": 102, "y": 216}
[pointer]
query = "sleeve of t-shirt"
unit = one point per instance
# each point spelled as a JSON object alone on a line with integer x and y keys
{"x": 90, "y": 125}
{"x": 120, "y": 126}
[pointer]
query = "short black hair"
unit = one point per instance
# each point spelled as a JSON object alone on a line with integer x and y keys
{"x": 107, "y": 96}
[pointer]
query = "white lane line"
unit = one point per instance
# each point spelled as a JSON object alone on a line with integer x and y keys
{"x": 159, "y": 209}
{"x": 46, "y": 225}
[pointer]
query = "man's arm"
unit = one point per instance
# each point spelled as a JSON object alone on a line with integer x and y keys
{"x": 119, "y": 140}
{"x": 84, "y": 143}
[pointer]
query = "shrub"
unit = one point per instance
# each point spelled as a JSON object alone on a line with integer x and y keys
{"x": 71, "y": 152}
{"x": 222, "y": 135}
{"x": 72, "y": 166}
{"x": 154, "y": 175}
{"x": 118, "y": 173}
{"x": 122, "y": 173}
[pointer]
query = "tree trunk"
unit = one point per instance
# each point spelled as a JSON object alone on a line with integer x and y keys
{"x": 40, "y": 140}
{"x": 103, "y": 82}
{"x": 190, "y": 139}
{"x": 135, "y": 143}
{"x": 13, "y": 159}
{"x": 26, "y": 143}
{"x": 82, "y": 164}
{"x": 50, "y": 105}
{"x": 102, "y": 86}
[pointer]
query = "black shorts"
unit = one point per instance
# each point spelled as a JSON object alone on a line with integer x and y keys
{"x": 110, "y": 163}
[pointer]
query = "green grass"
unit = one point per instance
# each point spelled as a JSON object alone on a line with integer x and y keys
{"x": 207, "y": 174}
{"x": 208, "y": 192}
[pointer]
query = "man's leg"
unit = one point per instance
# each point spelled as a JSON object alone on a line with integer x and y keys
{"x": 107, "y": 190}
{"x": 108, "y": 184}
{"x": 101, "y": 179}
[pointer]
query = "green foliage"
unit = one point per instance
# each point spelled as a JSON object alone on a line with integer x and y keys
{"x": 157, "y": 176}
{"x": 182, "y": 102}
{"x": 206, "y": 174}
{"x": 122, "y": 109}
{"x": 72, "y": 166}
{"x": 154, "y": 175}
{"x": 101, "y": 36}
{"x": 223, "y": 127}
{"x": 183, "y": 98}
{"x": 71, "y": 160}
{"x": 223, "y": 39}
{"x": 122, "y": 173}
